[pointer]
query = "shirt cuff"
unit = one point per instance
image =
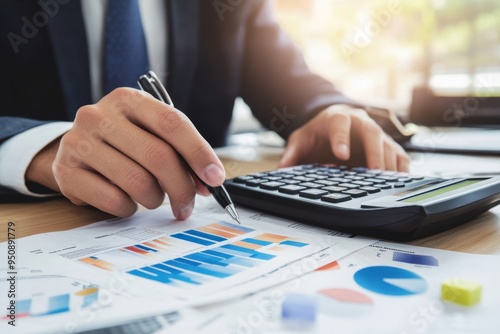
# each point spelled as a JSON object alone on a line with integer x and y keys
{"x": 17, "y": 152}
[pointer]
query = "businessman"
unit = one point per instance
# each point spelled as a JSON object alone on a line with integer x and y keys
{"x": 71, "y": 121}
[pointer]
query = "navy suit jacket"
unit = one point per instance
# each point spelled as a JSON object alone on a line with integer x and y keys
{"x": 216, "y": 53}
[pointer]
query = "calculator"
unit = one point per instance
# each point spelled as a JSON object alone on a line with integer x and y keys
{"x": 357, "y": 200}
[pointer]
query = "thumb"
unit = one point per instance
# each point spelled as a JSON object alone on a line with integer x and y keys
{"x": 295, "y": 149}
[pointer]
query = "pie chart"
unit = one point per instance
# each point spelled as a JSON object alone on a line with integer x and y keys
{"x": 347, "y": 302}
{"x": 390, "y": 281}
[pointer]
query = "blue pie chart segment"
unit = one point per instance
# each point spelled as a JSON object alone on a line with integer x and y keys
{"x": 390, "y": 281}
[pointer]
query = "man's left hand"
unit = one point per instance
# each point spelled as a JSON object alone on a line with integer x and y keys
{"x": 344, "y": 134}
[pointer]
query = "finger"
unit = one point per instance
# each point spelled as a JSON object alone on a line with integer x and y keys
{"x": 339, "y": 125}
{"x": 173, "y": 127}
{"x": 295, "y": 149}
{"x": 127, "y": 174}
{"x": 161, "y": 160}
{"x": 83, "y": 186}
{"x": 390, "y": 155}
{"x": 200, "y": 187}
{"x": 403, "y": 160}
{"x": 373, "y": 141}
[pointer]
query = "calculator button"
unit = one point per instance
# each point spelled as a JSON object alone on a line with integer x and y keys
{"x": 405, "y": 179}
{"x": 362, "y": 183}
{"x": 355, "y": 192}
{"x": 297, "y": 173}
{"x": 349, "y": 185}
{"x": 303, "y": 179}
{"x": 326, "y": 182}
{"x": 365, "y": 175}
{"x": 334, "y": 189}
{"x": 273, "y": 185}
{"x": 311, "y": 185}
{"x": 339, "y": 180}
{"x": 242, "y": 179}
{"x": 399, "y": 185}
{"x": 333, "y": 170}
{"x": 388, "y": 178}
{"x": 354, "y": 178}
{"x": 291, "y": 189}
{"x": 256, "y": 175}
{"x": 417, "y": 177}
{"x": 310, "y": 166}
{"x": 382, "y": 186}
{"x": 313, "y": 193}
{"x": 376, "y": 181}
{"x": 273, "y": 178}
{"x": 255, "y": 182}
{"x": 336, "y": 198}
{"x": 321, "y": 177}
{"x": 288, "y": 181}
{"x": 370, "y": 190}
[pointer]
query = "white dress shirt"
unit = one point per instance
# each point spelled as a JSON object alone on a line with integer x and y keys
{"x": 17, "y": 152}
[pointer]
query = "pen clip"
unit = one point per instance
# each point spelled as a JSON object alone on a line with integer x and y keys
{"x": 150, "y": 83}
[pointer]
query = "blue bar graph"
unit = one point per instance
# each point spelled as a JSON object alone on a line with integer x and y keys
{"x": 23, "y": 307}
{"x": 293, "y": 243}
{"x": 186, "y": 261}
{"x": 146, "y": 248}
{"x": 257, "y": 242}
{"x": 161, "y": 276}
{"x": 197, "y": 269}
{"x": 218, "y": 254}
{"x": 190, "y": 238}
{"x": 208, "y": 259}
{"x": 206, "y": 235}
{"x": 197, "y": 255}
{"x": 57, "y": 304}
{"x": 253, "y": 253}
{"x": 229, "y": 258}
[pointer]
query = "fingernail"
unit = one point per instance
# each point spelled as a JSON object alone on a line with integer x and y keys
{"x": 214, "y": 175}
{"x": 185, "y": 212}
{"x": 342, "y": 151}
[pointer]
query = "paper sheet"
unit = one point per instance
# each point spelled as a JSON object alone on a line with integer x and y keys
{"x": 152, "y": 264}
{"x": 383, "y": 288}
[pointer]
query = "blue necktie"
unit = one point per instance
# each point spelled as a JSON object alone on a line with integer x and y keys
{"x": 125, "y": 51}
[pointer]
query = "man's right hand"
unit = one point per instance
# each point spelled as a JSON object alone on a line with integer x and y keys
{"x": 126, "y": 149}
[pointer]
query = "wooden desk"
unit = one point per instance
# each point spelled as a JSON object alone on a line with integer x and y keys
{"x": 481, "y": 236}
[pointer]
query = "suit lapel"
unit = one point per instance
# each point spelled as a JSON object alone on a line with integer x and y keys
{"x": 183, "y": 18}
{"x": 69, "y": 43}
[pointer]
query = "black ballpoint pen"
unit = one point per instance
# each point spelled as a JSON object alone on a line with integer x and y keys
{"x": 150, "y": 83}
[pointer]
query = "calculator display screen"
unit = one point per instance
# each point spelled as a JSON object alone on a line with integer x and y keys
{"x": 440, "y": 191}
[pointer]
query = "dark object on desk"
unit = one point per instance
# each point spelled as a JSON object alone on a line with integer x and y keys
{"x": 387, "y": 205}
{"x": 454, "y": 111}
{"x": 391, "y": 124}
{"x": 474, "y": 141}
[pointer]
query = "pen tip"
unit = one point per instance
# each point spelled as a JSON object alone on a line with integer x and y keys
{"x": 232, "y": 212}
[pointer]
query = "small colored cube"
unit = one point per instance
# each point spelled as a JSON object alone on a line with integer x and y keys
{"x": 299, "y": 309}
{"x": 461, "y": 291}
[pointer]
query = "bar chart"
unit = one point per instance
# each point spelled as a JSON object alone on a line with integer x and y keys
{"x": 48, "y": 295}
{"x": 197, "y": 256}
